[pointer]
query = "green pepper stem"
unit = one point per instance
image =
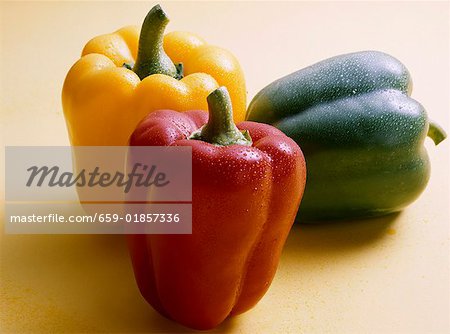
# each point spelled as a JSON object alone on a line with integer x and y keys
{"x": 151, "y": 58}
{"x": 220, "y": 129}
{"x": 436, "y": 133}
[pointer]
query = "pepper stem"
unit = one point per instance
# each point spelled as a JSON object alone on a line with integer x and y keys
{"x": 436, "y": 133}
{"x": 151, "y": 58}
{"x": 220, "y": 129}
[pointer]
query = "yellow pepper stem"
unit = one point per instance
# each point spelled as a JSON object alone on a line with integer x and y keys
{"x": 220, "y": 129}
{"x": 151, "y": 58}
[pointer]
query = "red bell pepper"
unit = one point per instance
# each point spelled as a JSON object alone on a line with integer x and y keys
{"x": 247, "y": 184}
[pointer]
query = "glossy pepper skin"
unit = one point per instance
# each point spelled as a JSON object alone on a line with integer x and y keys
{"x": 246, "y": 188}
{"x": 104, "y": 100}
{"x": 361, "y": 133}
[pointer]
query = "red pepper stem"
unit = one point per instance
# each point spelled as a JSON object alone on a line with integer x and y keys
{"x": 151, "y": 58}
{"x": 220, "y": 129}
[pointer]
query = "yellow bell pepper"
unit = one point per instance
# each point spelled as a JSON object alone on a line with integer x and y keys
{"x": 123, "y": 76}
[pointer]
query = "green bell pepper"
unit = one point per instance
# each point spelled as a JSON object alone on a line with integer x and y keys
{"x": 361, "y": 134}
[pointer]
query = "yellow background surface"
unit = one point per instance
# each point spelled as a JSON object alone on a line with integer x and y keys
{"x": 385, "y": 275}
